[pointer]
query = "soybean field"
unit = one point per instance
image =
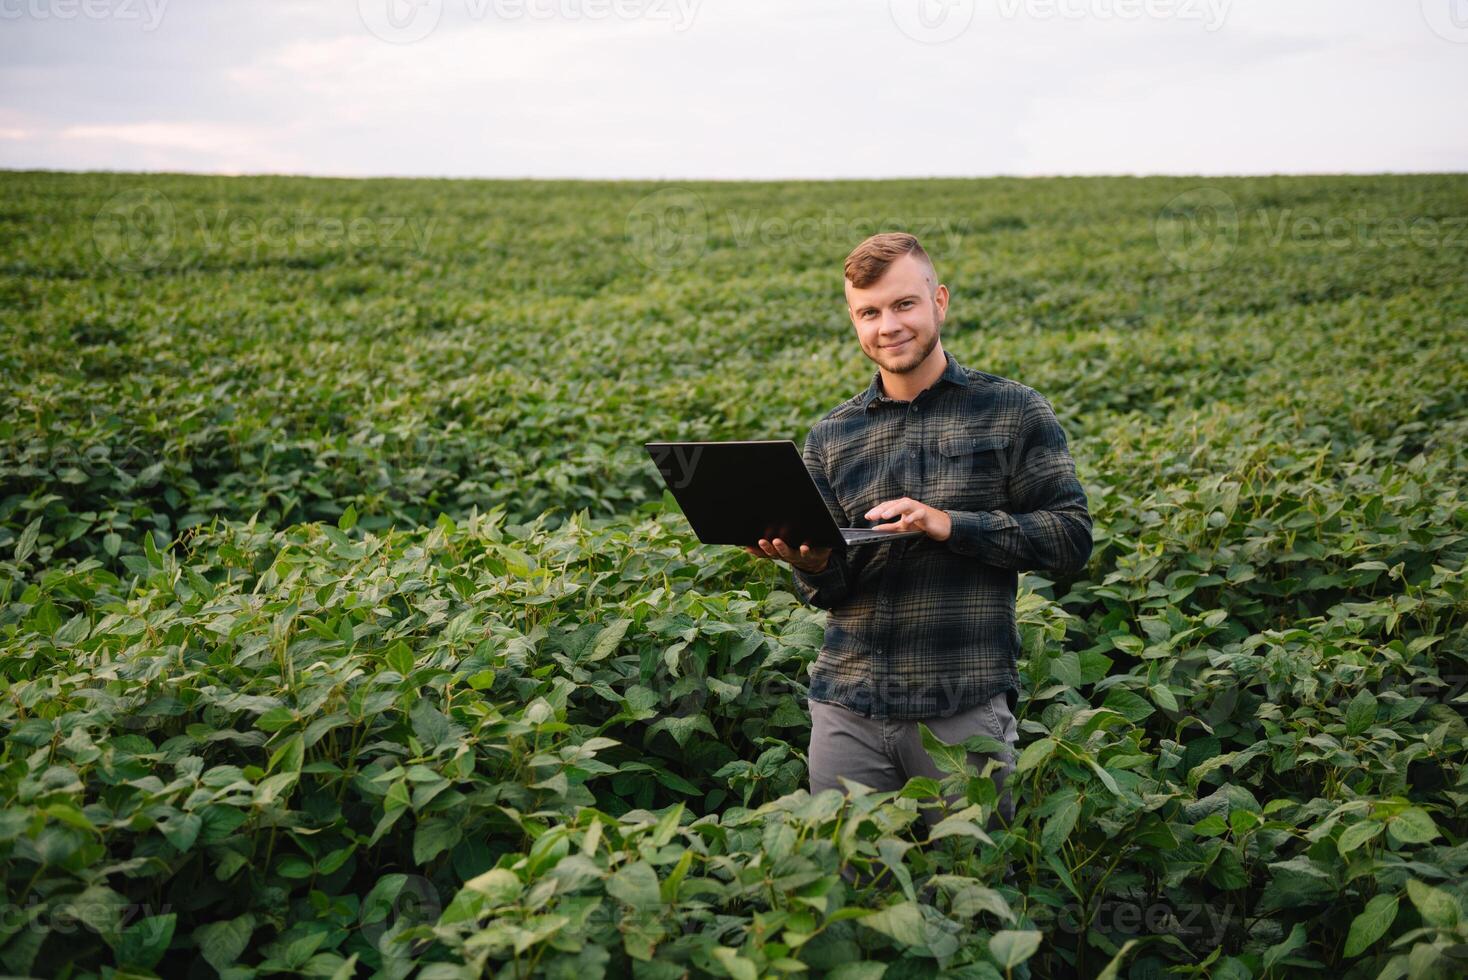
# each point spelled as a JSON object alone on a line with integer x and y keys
{"x": 346, "y": 628}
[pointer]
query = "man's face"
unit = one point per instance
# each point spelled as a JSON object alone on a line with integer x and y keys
{"x": 898, "y": 316}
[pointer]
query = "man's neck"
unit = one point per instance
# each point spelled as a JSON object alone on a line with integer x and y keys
{"x": 906, "y": 387}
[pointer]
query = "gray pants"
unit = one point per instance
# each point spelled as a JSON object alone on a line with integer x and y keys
{"x": 885, "y": 754}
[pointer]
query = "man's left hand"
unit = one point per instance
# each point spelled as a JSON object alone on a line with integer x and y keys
{"x": 912, "y": 515}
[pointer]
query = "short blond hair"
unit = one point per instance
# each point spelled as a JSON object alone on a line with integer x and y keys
{"x": 869, "y": 261}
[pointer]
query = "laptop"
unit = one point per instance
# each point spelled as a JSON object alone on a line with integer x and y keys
{"x": 738, "y": 492}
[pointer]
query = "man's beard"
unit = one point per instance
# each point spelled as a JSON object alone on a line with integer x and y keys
{"x": 901, "y": 368}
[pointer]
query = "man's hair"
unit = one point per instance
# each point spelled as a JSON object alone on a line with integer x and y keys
{"x": 868, "y": 262}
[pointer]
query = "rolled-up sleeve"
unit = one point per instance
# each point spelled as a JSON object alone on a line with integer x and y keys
{"x": 1050, "y": 526}
{"x": 828, "y": 588}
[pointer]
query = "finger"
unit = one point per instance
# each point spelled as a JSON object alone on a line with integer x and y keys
{"x": 768, "y": 548}
{"x": 784, "y": 549}
{"x": 895, "y": 508}
{"x": 877, "y": 511}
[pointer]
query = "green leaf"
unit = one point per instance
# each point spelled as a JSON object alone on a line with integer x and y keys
{"x": 1129, "y": 704}
{"x": 294, "y": 866}
{"x": 857, "y": 970}
{"x": 499, "y": 886}
{"x": 902, "y": 922}
{"x": 1295, "y": 940}
{"x": 221, "y": 943}
{"x": 1411, "y": 826}
{"x": 434, "y": 836}
{"x": 1361, "y": 712}
{"x": 1034, "y": 754}
{"x": 379, "y": 901}
{"x": 606, "y": 641}
{"x": 1163, "y": 697}
{"x": 736, "y": 966}
{"x": 143, "y": 943}
{"x": 275, "y": 787}
{"x": 289, "y": 757}
{"x": 1211, "y": 825}
{"x": 1437, "y": 907}
{"x": 956, "y": 826}
{"x": 429, "y": 724}
{"x": 1113, "y": 969}
{"x": 182, "y": 830}
{"x": 1061, "y": 823}
{"x": 348, "y": 520}
{"x": 1011, "y": 947}
{"x": 1371, "y": 924}
{"x": 70, "y": 815}
{"x": 27, "y": 543}
{"x": 637, "y": 885}
{"x": 948, "y": 758}
{"x": 400, "y": 658}
{"x": 275, "y": 719}
{"x": 1357, "y": 834}
{"x": 100, "y": 908}
{"x": 75, "y": 631}
{"x": 667, "y": 825}
{"x": 682, "y": 728}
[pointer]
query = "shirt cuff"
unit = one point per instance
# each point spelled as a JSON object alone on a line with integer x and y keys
{"x": 816, "y": 584}
{"x": 968, "y": 530}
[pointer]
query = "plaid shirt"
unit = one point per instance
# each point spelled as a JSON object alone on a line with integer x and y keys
{"x": 921, "y": 628}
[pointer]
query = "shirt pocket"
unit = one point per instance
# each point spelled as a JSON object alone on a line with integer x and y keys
{"x": 969, "y": 471}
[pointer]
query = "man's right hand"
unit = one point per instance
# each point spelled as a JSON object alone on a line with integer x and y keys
{"x": 807, "y": 559}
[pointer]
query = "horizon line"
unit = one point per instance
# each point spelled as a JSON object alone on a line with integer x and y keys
{"x": 735, "y": 180}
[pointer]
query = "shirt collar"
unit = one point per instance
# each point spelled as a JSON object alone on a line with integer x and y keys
{"x": 953, "y": 373}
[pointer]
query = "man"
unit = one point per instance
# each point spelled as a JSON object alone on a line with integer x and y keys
{"x": 923, "y": 629}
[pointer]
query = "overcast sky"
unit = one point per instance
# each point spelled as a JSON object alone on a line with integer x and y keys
{"x": 734, "y": 88}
